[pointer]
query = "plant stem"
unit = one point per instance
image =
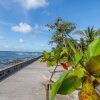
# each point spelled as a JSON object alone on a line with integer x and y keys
{"x": 53, "y": 72}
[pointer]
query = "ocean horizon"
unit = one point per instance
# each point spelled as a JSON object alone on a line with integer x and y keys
{"x": 8, "y": 58}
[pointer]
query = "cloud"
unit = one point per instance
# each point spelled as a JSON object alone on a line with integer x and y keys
{"x": 22, "y": 28}
{"x": 33, "y": 4}
{"x": 21, "y": 40}
{"x": 25, "y": 28}
{"x": 24, "y": 4}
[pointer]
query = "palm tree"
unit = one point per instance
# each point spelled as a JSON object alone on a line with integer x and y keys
{"x": 89, "y": 34}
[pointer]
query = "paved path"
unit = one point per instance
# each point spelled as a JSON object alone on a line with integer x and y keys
{"x": 26, "y": 84}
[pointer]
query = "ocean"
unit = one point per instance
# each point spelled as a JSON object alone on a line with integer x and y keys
{"x": 8, "y": 58}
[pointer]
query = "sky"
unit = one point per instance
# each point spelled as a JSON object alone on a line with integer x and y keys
{"x": 22, "y": 22}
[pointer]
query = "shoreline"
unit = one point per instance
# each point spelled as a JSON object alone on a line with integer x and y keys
{"x": 9, "y": 58}
{"x": 7, "y": 64}
{"x": 7, "y": 71}
{"x": 15, "y": 63}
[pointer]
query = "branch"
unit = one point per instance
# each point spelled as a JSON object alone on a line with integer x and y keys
{"x": 53, "y": 72}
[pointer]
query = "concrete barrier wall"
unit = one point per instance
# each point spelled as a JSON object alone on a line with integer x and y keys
{"x": 5, "y": 72}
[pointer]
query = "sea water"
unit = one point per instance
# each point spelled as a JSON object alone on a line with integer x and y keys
{"x": 8, "y": 58}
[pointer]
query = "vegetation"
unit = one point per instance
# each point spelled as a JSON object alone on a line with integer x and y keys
{"x": 83, "y": 57}
{"x": 61, "y": 31}
{"x": 89, "y": 34}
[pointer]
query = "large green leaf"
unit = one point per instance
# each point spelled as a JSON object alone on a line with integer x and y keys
{"x": 94, "y": 48}
{"x": 93, "y": 66}
{"x": 57, "y": 85}
{"x": 67, "y": 83}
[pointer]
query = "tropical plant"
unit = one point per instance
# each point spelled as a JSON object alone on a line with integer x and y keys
{"x": 83, "y": 57}
{"x": 61, "y": 31}
{"x": 86, "y": 67}
{"x": 58, "y": 56}
{"x": 89, "y": 34}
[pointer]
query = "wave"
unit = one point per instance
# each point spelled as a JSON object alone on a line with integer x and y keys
{"x": 11, "y": 57}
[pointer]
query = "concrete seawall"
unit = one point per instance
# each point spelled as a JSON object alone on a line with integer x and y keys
{"x": 5, "y": 72}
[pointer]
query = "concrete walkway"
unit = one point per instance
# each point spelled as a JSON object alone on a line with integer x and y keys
{"x": 26, "y": 84}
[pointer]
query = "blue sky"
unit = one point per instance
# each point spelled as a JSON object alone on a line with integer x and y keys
{"x": 22, "y": 22}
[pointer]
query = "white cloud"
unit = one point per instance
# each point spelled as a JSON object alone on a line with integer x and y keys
{"x": 24, "y": 4}
{"x": 33, "y": 4}
{"x": 27, "y": 29}
{"x": 22, "y": 28}
{"x": 21, "y": 40}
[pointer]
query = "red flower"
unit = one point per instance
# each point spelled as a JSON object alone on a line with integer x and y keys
{"x": 65, "y": 65}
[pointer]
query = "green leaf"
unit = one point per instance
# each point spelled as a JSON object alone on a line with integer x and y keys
{"x": 55, "y": 54}
{"x": 46, "y": 54}
{"x": 78, "y": 56}
{"x": 94, "y": 48}
{"x": 71, "y": 63}
{"x": 67, "y": 83}
{"x": 63, "y": 60}
{"x": 79, "y": 72}
{"x": 64, "y": 49}
{"x": 57, "y": 85}
{"x": 51, "y": 63}
{"x": 93, "y": 66}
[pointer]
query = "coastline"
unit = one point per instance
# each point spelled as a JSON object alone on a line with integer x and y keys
{"x": 9, "y": 58}
{"x": 7, "y": 71}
